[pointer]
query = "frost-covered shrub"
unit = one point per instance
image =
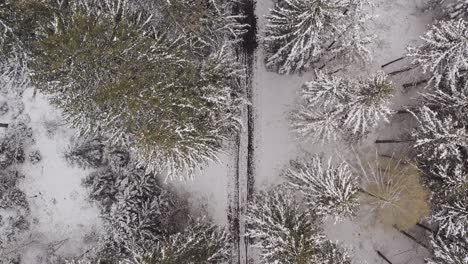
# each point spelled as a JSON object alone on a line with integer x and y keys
{"x": 134, "y": 206}
{"x": 300, "y": 32}
{"x": 336, "y": 106}
{"x": 35, "y": 157}
{"x": 444, "y": 52}
{"x": 13, "y": 143}
{"x": 287, "y": 232}
{"x": 331, "y": 189}
{"x": 86, "y": 153}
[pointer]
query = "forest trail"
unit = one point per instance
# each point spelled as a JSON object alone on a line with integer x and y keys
{"x": 244, "y": 179}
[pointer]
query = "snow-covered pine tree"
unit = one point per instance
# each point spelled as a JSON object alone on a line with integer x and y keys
{"x": 300, "y": 32}
{"x": 369, "y": 103}
{"x": 286, "y": 232}
{"x": 450, "y": 101}
{"x": 444, "y": 52}
{"x": 438, "y": 137}
{"x": 203, "y": 25}
{"x": 452, "y": 216}
{"x": 458, "y": 9}
{"x": 190, "y": 105}
{"x": 331, "y": 189}
{"x": 335, "y": 105}
{"x": 200, "y": 242}
{"x": 448, "y": 252}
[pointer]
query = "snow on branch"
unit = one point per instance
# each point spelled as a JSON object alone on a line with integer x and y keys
{"x": 333, "y": 106}
{"x": 286, "y": 232}
{"x": 300, "y": 32}
{"x": 444, "y": 52}
{"x": 331, "y": 189}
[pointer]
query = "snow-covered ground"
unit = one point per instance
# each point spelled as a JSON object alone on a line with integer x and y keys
{"x": 61, "y": 218}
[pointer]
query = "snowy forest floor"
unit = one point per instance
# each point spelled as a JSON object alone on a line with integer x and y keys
{"x": 63, "y": 220}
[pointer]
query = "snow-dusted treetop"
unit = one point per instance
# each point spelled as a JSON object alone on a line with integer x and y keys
{"x": 286, "y": 232}
{"x": 439, "y": 137}
{"x": 300, "y": 32}
{"x": 334, "y": 105}
{"x": 140, "y": 88}
{"x": 444, "y": 53}
{"x": 331, "y": 189}
{"x": 448, "y": 100}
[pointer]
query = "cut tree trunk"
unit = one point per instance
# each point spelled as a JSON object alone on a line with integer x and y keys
{"x": 400, "y": 71}
{"x": 383, "y": 256}
{"x": 393, "y": 141}
{"x": 414, "y": 84}
{"x": 393, "y": 61}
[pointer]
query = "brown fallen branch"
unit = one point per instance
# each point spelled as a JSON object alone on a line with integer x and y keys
{"x": 393, "y": 61}
{"x": 400, "y": 71}
{"x": 414, "y": 84}
{"x": 383, "y": 256}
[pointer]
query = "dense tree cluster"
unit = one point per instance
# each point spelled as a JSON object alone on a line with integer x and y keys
{"x": 300, "y": 33}
{"x": 144, "y": 222}
{"x": 104, "y": 61}
{"x": 335, "y": 106}
{"x": 441, "y": 137}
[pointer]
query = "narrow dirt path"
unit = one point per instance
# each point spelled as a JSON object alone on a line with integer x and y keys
{"x": 243, "y": 178}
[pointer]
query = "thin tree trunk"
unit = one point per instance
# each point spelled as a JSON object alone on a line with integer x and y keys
{"x": 4, "y": 125}
{"x": 413, "y": 84}
{"x": 391, "y": 141}
{"x": 400, "y": 71}
{"x": 393, "y": 61}
{"x": 424, "y": 227}
{"x": 382, "y": 256}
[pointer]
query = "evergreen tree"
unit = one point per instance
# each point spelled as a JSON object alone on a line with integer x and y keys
{"x": 439, "y": 137}
{"x": 114, "y": 76}
{"x": 458, "y": 9}
{"x": 331, "y": 189}
{"x": 452, "y": 216}
{"x": 448, "y": 253}
{"x": 444, "y": 52}
{"x": 201, "y": 242}
{"x": 300, "y": 32}
{"x": 449, "y": 101}
{"x": 288, "y": 233}
{"x": 335, "y": 105}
